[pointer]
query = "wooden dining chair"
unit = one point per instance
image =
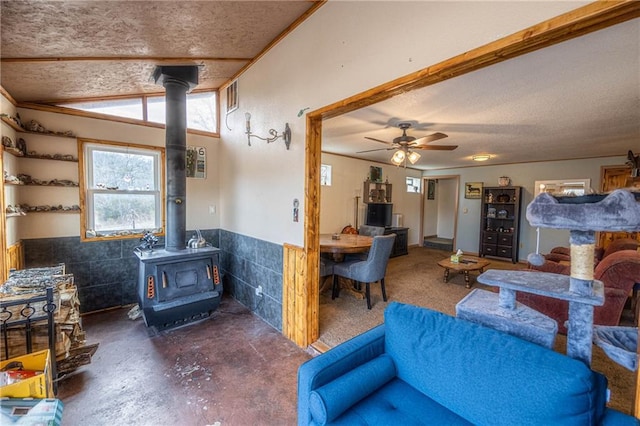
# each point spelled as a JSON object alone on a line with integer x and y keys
{"x": 367, "y": 271}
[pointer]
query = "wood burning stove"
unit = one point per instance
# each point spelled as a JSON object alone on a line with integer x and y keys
{"x": 177, "y": 284}
{"x": 177, "y": 287}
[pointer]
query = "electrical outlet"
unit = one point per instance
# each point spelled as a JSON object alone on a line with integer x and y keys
{"x": 259, "y": 290}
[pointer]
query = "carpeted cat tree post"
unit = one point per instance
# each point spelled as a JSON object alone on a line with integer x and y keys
{"x": 582, "y": 216}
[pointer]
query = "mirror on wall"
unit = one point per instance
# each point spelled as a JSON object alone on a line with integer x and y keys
{"x": 575, "y": 187}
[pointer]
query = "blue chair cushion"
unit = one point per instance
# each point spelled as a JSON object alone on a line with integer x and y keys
{"x": 397, "y": 403}
{"x": 329, "y": 401}
{"x": 530, "y": 384}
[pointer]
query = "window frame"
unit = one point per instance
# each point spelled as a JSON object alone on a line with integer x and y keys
{"x": 85, "y": 147}
{"x": 68, "y": 105}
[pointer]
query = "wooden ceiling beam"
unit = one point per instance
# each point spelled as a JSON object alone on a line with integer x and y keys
{"x": 592, "y": 17}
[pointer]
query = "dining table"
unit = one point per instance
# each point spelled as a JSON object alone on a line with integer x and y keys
{"x": 337, "y": 245}
{"x": 340, "y": 244}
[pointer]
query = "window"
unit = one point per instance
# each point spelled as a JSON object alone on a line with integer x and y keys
{"x": 201, "y": 109}
{"x": 325, "y": 175}
{"x": 123, "y": 189}
{"x": 413, "y": 184}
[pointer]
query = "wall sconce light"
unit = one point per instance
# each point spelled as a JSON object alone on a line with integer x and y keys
{"x": 481, "y": 157}
{"x": 286, "y": 135}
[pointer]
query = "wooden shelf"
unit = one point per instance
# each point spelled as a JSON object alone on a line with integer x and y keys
{"x": 77, "y": 185}
{"x": 16, "y": 153}
{"x": 13, "y": 151}
{"x": 50, "y": 157}
{"x": 19, "y": 129}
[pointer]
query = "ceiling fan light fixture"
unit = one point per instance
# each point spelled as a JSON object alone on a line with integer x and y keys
{"x": 398, "y": 157}
{"x": 413, "y": 157}
{"x": 481, "y": 157}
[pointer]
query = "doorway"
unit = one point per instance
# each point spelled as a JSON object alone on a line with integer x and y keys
{"x": 440, "y": 212}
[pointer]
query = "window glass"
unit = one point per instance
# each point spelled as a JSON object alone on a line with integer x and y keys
{"x": 130, "y": 108}
{"x": 123, "y": 190}
{"x": 201, "y": 114}
{"x": 201, "y": 109}
{"x": 325, "y": 175}
{"x": 413, "y": 184}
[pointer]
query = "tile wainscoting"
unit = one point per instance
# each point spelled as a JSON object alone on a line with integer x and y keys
{"x": 106, "y": 272}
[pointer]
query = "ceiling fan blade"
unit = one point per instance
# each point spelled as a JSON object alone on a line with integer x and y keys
{"x": 429, "y": 138}
{"x": 378, "y": 140}
{"x": 378, "y": 149}
{"x": 435, "y": 147}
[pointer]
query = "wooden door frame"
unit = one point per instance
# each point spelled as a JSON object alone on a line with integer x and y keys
{"x": 581, "y": 21}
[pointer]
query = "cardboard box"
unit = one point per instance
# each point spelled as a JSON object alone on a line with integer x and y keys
{"x": 38, "y": 386}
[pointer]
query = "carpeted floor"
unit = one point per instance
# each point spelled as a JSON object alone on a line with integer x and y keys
{"x": 418, "y": 280}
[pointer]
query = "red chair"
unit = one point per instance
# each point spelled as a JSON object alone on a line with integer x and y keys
{"x": 619, "y": 272}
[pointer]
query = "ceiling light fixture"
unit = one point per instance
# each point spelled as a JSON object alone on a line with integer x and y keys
{"x": 401, "y": 156}
{"x": 286, "y": 135}
{"x": 481, "y": 157}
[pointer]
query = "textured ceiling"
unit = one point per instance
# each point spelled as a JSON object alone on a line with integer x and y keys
{"x": 56, "y": 50}
{"x": 576, "y": 99}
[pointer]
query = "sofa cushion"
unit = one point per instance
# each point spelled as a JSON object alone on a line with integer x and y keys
{"x": 489, "y": 377}
{"x": 329, "y": 401}
{"x": 397, "y": 403}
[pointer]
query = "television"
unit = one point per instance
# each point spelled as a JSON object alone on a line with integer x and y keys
{"x": 379, "y": 214}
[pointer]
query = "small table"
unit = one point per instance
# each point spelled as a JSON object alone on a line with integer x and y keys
{"x": 347, "y": 243}
{"x": 466, "y": 264}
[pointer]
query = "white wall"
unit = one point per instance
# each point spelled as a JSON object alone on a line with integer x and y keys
{"x": 342, "y": 49}
{"x": 201, "y": 193}
{"x": 446, "y": 195}
{"x": 524, "y": 175}
{"x": 337, "y": 202}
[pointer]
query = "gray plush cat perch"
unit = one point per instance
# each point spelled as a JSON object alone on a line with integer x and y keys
{"x": 582, "y": 216}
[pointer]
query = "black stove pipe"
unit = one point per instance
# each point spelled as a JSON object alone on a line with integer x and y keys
{"x": 177, "y": 81}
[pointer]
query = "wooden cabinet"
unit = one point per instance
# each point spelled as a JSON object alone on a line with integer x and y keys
{"x": 376, "y": 192}
{"x": 500, "y": 222}
{"x": 401, "y": 243}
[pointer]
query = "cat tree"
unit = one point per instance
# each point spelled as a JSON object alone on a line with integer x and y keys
{"x": 582, "y": 216}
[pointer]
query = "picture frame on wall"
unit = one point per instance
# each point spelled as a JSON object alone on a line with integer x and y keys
{"x": 473, "y": 190}
{"x": 431, "y": 189}
{"x": 375, "y": 174}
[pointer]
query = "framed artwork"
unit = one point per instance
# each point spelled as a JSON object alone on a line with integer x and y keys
{"x": 431, "y": 189}
{"x": 196, "y": 158}
{"x": 473, "y": 190}
{"x": 375, "y": 174}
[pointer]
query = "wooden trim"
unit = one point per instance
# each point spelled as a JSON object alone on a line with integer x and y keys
{"x": 581, "y": 21}
{"x": 637, "y": 402}
{"x": 83, "y": 190}
{"x": 4, "y": 272}
{"x": 317, "y": 5}
{"x": 592, "y": 17}
{"x": 79, "y": 113}
{"x": 6, "y": 94}
{"x": 14, "y": 257}
{"x": 294, "y": 306}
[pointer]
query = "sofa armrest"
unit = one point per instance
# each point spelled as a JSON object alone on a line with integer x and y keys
{"x": 334, "y": 363}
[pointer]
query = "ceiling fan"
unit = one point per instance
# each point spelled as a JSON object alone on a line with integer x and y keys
{"x": 405, "y": 145}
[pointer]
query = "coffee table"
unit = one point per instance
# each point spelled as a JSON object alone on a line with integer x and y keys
{"x": 465, "y": 265}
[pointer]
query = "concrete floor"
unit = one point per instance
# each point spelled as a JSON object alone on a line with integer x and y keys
{"x": 230, "y": 369}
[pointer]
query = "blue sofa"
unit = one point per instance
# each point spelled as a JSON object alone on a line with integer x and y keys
{"x": 425, "y": 367}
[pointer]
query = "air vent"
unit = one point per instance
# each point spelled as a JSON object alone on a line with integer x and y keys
{"x": 232, "y": 96}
